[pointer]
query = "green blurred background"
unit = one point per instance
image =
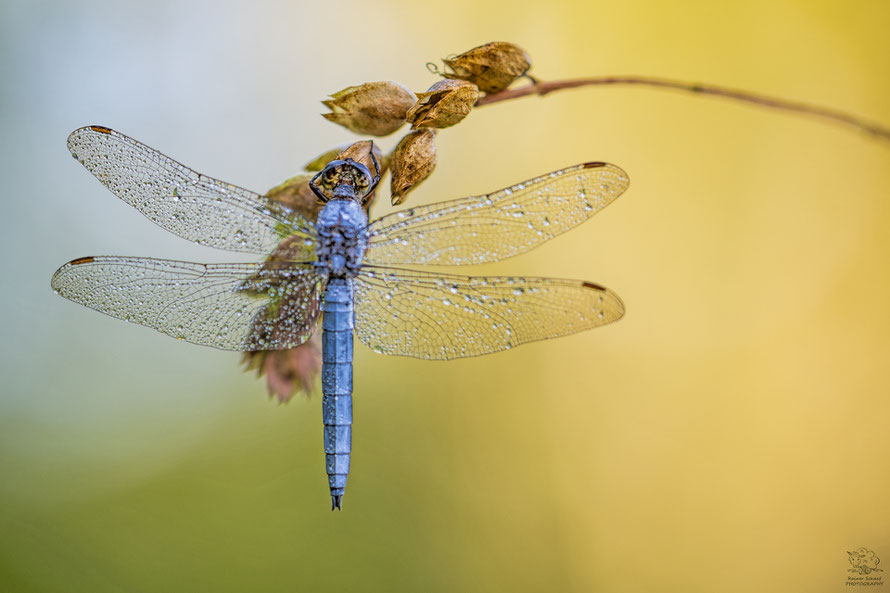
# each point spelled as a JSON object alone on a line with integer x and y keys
{"x": 730, "y": 434}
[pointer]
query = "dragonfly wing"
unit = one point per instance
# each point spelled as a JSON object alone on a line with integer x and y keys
{"x": 261, "y": 306}
{"x": 184, "y": 202}
{"x": 494, "y": 226}
{"x": 433, "y": 316}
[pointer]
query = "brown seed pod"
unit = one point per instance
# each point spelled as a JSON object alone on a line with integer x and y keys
{"x": 358, "y": 151}
{"x": 491, "y": 67}
{"x": 318, "y": 163}
{"x": 411, "y": 162}
{"x": 445, "y": 103}
{"x": 287, "y": 372}
{"x": 295, "y": 193}
{"x": 372, "y": 108}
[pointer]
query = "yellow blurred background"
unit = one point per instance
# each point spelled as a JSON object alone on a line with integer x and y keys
{"x": 730, "y": 434}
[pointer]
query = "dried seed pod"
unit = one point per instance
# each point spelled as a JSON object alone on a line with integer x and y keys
{"x": 491, "y": 67}
{"x": 372, "y": 108}
{"x": 411, "y": 162}
{"x": 318, "y": 163}
{"x": 295, "y": 193}
{"x": 358, "y": 151}
{"x": 444, "y": 104}
{"x": 287, "y": 372}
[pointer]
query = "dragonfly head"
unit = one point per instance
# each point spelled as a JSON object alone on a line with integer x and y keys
{"x": 343, "y": 180}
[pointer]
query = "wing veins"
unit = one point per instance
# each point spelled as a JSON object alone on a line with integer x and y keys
{"x": 425, "y": 315}
{"x": 210, "y": 304}
{"x": 495, "y": 226}
{"x": 181, "y": 200}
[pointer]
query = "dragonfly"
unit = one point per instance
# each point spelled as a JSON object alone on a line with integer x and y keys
{"x": 351, "y": 276}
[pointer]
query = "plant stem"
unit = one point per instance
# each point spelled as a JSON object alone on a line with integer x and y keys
{"x": 545, "y": 87}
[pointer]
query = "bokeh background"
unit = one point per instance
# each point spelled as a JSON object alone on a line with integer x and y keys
{"x": 730, "y": 434}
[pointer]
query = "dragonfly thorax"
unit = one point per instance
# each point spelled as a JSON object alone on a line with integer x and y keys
{"x": 342, "y": 238}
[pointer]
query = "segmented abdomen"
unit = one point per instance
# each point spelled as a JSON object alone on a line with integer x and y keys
{"x": 336, "y": 383}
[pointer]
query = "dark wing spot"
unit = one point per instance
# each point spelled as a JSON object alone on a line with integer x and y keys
{"x": 82, "y": 260}
{"x": 101, "y": 129}
{"x": 593, "y": 286}
{"x": 595, "y": 165}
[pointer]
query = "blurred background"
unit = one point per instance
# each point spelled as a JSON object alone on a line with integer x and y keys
{"x": 731, "y": 433}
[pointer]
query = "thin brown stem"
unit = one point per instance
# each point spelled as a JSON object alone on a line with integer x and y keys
{"x": 545, "y": 87}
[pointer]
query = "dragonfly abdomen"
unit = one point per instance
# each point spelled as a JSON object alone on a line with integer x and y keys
{"x": 336, "y": 383}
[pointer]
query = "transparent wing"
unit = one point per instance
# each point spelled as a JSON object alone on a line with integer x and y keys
{"x": 433, "y": 316}
{"x": 491, "y": 227}
{"x": 183, "y": 201}
{"x": 269, "y": 306}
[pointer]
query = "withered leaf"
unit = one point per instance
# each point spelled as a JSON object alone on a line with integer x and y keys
{"x": 318, "y": 163}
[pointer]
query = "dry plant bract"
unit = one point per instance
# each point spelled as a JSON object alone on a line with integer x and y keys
{"x": 372, "y": 108}
{"x": 319, "y": 162}
{"x": 491, "y": 67}
{"x": 412, "y": 161}
{"x": 445, "y": 103}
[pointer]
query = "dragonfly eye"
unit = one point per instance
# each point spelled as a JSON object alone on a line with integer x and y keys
{"x": 361, "y": 177}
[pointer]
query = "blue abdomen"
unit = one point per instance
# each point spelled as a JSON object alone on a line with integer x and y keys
{"x": 336, "y": 383}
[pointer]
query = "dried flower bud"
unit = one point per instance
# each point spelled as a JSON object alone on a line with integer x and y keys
{"x": 287, "y": 372}
{"x": 491, "y": 67}
{"x": 444, "y": 104}
{"x": 411, "y": 162}
{"x": 373, "y": 108}
{"x": 295, "y": 193}
{"x": 358, "y": 151}
{"x": 319, "y": 162}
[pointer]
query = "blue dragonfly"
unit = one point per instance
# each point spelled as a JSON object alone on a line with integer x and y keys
{"x": 340, "y": 268}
